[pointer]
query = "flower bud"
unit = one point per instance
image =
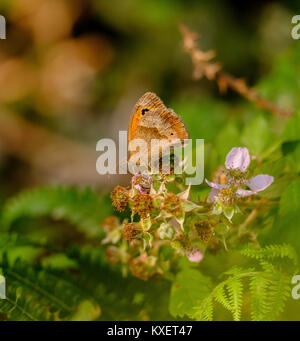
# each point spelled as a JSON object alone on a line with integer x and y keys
{"x": 195, "y": 254}
{"x": 166, "y": 231}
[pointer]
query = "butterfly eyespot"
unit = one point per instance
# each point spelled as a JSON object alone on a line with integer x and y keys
{"x": 144, "y": 111}
{"x": 171, "y": 134}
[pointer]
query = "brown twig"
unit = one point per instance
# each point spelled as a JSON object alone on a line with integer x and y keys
{"x": 249, "y": 219}
{"x": 203, "y": 66}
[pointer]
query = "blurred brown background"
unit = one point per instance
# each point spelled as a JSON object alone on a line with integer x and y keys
{"x": 71, "y": 70}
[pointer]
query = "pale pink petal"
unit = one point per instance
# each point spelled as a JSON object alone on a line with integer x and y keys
{"x": 213, "y": 193}
{"x": 140, "y": 189}
{"x": 260, "y": 182}
{"x": 244, "y": 192}
{"x": 214, "y": 185}
{"x": 195, "y": 256}
{"x": 238, "y": 158}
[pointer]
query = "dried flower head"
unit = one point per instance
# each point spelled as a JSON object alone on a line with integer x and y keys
{"x": 142, "y": 267}
{"x": 204, "y": 230}
{"x": 132, "y": 231}
{"x": 172, "y": 204}
{"x": 112, "y": 255}
{"x": 142, "y": 205}
{"x": 110, "y": 223}
{"x": 120, "y": 197}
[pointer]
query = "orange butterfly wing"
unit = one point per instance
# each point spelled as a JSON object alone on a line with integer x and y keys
{"x": 149, "y": 101}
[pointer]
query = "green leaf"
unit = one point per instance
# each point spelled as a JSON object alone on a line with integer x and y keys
{"x": 59, "y": 261}
{"x": 189, "y": 206}
{"x": 228, "y": 212}
{"x": 256, "y": 135}
{"x": 228, "y": 138}
{"x": 293, "y": 158}
{"x": 188, "y": 290}
{"x": 287, "y": 224}
{"x": 292, "y": 129}
{"x": 86, "y": 311}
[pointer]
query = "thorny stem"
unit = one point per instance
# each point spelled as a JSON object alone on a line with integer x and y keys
{"x": 213, "y": 71}
{"x": 248, "y": 220}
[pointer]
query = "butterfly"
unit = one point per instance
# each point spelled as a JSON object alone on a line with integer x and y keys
{"x": 151, "y": 119}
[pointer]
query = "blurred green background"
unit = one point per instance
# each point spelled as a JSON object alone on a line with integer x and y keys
{"x": 71, "y": 71}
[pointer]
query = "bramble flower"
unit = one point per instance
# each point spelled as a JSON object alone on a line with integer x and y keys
{"x": 120, "y": 198}
{"x": 237, "y": 163}
{"x": 168, "y": 218}
{"x": 142, "y": 183}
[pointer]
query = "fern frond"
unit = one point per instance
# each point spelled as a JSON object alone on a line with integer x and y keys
{"x": 103, "y": 282}
{"x": 235, "y": 290}
{"x": 205, "y": 311}
{"x": 259, "y": 292}
{"x": 269, "y": 287}
{"x": 79, "y": 207}
{"x": 221, "y": 296}
{"x": 278, "y": 292}
{"x": 272, "y": 251}
{"x": 33, "y": 294}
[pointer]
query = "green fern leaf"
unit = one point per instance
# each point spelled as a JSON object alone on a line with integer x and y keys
{"x": 235, "y": 290}
{"x": 79, "y": 207}
{"x": 271, "y": 252}
{"x": 259, "y": 291}
{"x": 34, "y": 293}
{"x": 205, "y": 311}
{"x": 278, "y": 292}
{"x": 221, "y": 296}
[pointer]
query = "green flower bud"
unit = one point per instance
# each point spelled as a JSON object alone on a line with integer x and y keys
{"x": 177, "y": 245}
{"x": 146, "y": 224}
{"x": 166, "y": 231}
